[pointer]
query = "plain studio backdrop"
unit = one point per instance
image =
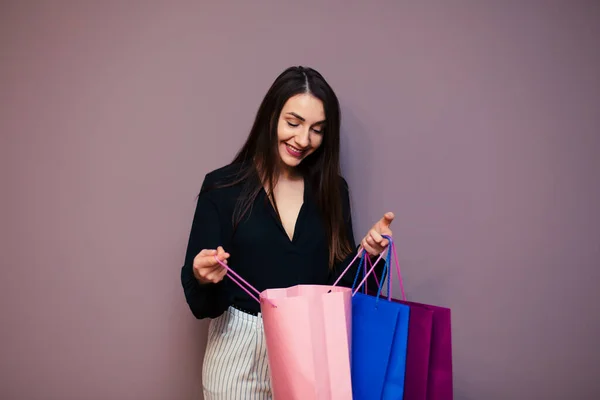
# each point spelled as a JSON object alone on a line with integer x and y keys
{"x": 476, "y": 122}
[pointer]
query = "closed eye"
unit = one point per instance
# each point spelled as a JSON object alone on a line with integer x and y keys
{"x": 291, "y": 124}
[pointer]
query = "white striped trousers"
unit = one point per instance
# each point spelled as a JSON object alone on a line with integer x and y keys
{"x": 235, "y": 364}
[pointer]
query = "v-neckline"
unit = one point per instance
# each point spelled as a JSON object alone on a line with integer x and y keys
{"x": 277, "y": 219}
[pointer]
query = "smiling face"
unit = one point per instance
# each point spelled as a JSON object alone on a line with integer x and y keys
{"x": 300, "y": 128}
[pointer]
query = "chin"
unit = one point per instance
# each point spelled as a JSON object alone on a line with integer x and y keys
{"x": 290, "y": 161}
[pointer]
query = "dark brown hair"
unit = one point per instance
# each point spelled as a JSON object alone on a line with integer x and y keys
{"x": 259, "y": 156}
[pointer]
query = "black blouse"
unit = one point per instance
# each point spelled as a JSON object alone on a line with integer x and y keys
{"x": 260, "y": 250}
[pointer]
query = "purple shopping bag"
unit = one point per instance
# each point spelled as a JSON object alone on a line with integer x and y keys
{"x": 428, "y": 378}
{"x": 429, "y": 350}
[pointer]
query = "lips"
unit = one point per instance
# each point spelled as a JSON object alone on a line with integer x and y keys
{"x": 294, "y": 152}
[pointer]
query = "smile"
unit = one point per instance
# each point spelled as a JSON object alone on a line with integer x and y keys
{"x": 293, "y": 151}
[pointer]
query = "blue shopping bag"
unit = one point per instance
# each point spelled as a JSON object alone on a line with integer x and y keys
{"x": 379, "y": 342}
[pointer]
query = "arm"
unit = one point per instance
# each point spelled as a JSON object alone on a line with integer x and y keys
{"x": 204, "y": 300}
{"x": 348, "y": 279}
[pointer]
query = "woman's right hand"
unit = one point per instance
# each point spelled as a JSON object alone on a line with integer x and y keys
{"x": 207, "y": 269}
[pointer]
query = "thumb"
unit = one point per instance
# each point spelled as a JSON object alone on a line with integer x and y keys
{"x": 222, "y": 254}
{"x": 387, "y": 219}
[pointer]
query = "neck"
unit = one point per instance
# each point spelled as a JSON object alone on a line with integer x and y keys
{"x": 289, "y": 174}
{"x": 285, "y": 173}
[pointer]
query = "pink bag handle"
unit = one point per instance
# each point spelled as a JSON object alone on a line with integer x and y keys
{"x": 238, "y": 281}
{"x": 369, "y": 272}
{"x": 391, "y": 248}
{"x": 400, "y": 281}
{"x": 358, "y": 254}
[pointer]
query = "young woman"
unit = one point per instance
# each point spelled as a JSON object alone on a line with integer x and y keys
{"x": 279, "y": 215}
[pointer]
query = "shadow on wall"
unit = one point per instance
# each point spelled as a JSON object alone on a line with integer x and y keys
{"x": 358, "y": 169}
{"x": 438, "y": 287}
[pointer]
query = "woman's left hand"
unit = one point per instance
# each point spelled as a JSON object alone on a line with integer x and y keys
{"x": 374, "y": 243}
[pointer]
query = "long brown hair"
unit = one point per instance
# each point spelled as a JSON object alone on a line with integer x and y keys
{"x": 259, "y": 156}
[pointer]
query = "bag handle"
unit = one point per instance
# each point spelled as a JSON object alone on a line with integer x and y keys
{"x": 367, "y": 273}
{"x": 391, "y": 250}
{"x": 400, "y": 281}
{"x": 363, "y": 263}
{"x": 238, "y": 280}
{"x": 387, "y": 269}
{"x": 360, "y": 253}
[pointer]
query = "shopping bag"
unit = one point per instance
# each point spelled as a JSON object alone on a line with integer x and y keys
{"x": 429, "y": 350}
{"x": 380, "y": 336}
{"x": 379, "y": 342}
{"x": 434, "y": 343}
{"x": 308, "y": 335}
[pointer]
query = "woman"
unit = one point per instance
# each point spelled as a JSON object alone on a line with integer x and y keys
{"x": 279, "y": 215}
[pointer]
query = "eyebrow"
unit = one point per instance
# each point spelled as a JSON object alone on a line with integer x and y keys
{"x": 302, "y": 119}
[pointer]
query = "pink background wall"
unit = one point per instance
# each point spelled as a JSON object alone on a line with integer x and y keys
{"x": 478, "y": 123}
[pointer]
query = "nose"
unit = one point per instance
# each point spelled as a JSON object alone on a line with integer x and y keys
{"x": 303, "y": 139}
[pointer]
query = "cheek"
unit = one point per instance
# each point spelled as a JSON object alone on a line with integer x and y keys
{"x": 316, "y": 140}
{"x": 284, "y": 131}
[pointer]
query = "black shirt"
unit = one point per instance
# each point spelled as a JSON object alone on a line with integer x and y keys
{"x": 260, "y": 250}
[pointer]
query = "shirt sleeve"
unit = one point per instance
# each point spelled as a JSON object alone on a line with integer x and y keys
{"x": 204, "y": 300}
{"x": 348, "y": 278}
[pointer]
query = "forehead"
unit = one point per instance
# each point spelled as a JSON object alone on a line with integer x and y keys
{"x": 305, "y": 105}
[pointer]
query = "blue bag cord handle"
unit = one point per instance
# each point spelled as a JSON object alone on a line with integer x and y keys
{"x": 387, "y": 272}
{"x": 362, "y": 263}
{"x": 383, "y": 277}
{"x": 358, "y": 269}
{"x": 388, "y": 262}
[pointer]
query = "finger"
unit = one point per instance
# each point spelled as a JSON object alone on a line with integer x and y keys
{"x": 208, "y": 262}
{"x": 216, "y": 270}
{"x": 377, "y": 241}
{"x": 222, "y": 254}
{"x": 209, "y": 271}
{"x": 221, "y": 274}
{"x": 377, "y": 238}
{"x": 201, "y": 271}
{"x": 370, "y": 249}
{"x": 376, "y": 249}
{"x": 387, "y": 219}
{"x": 361, "y": 249}
{"x": 204, "y": 271}
{"x": 370, "y": 241}
{"x": 204, "y": 261}
{"x": 216, "y": 275}
{"x": 220, "y": 263}
{"x": 207, "y": 252}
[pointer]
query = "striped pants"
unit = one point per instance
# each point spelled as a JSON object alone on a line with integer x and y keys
{"x": 235, "y": 364}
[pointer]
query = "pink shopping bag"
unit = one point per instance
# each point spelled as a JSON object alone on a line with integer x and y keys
{"x": 308, "y": 332}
